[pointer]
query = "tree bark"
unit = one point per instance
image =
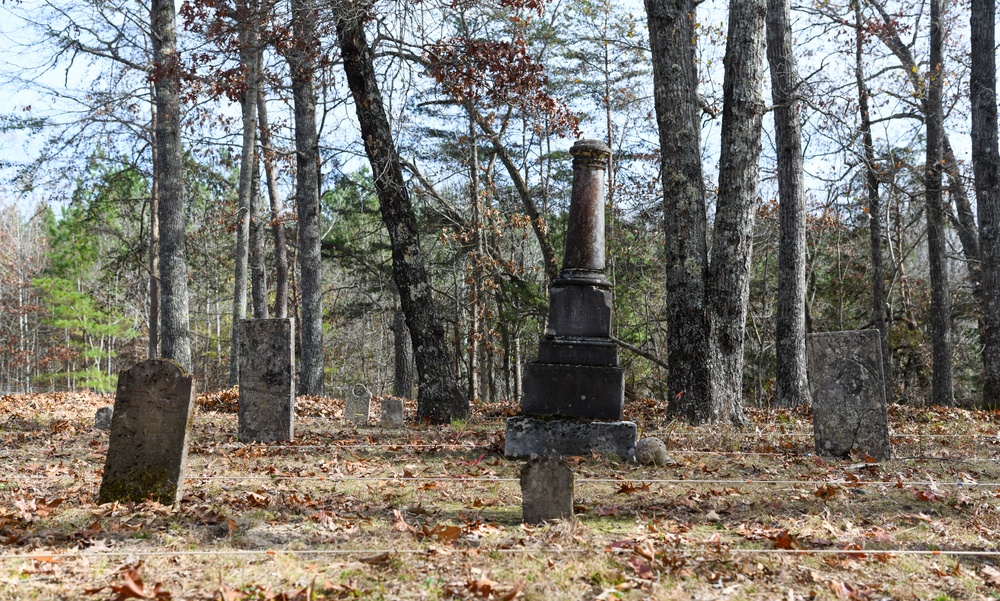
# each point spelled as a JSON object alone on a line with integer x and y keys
{"x": 942, "y": 390}
{"x": 791, "y": 384}
{"x": 728, "y": 285}
{"x": 440, "y": 398}
{"x": 986, "y": 166}
{"x": 154, "y": 247}
{"x": 302, "y": 63}
{"x": 875, "y": 213}
{"x": 675, "y": 80}
{"x": 277, "y": 228}
{"x": 475, "y": 395}
{"x": 248, "y": 106}
{"x": 175, "y": 334}
{"x": 258, "y": 274}
{"x": 402, "y": 379}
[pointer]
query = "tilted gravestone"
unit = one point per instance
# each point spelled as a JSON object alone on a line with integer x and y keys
{"x": 546, "y": 490}
{"x": 848, "y": 394}
{"x": 147, "y": 449}
{"x": 574, "y": 393}
{"x": 357, "y": 408}
{"x": 102, "y": 419}
{"x": 267, "y": 380}
{"x": 392, "y": 413}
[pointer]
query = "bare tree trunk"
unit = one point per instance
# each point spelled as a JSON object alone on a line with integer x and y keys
{"x": 174, "y": 321}
{"x": 728, "y": 285}
{"x": 675, "y": 81}
{"x": 475, "y": 393}
{"x": 942, "y": 391}
{"x": 302, "y": 62}
{"x": 440, "y": 398}
{"x": 875, "y": 213}
{"x": 792, "y": 386}
{"x": 277, "y": 229}
{"x": 402, "y": 381}
{"x": 986, "y": 165}
{"x": 154, "y": 247}
{"x": 258, "y": 275}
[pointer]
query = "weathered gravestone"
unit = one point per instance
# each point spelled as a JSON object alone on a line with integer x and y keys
{"x": 357, "y": 409}
{"x": 267, "y": 380}
{"x": 546, "y": 490}
{"x": 392, "y": 413}
{"x": 147, "y": 449}
{"x": 574, "y": 393}
{"x": 102, "y": 419}
{"x": 848, "y": 394}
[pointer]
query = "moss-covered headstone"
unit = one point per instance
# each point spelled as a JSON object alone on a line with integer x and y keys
{"x": 147, "y": 449}
{"x": 267, "y": 380}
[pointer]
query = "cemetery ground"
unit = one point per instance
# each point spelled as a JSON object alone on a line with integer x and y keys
{"x": 434, "y": 512}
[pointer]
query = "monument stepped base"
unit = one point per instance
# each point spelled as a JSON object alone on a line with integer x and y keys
{"x": 536, "y": 437}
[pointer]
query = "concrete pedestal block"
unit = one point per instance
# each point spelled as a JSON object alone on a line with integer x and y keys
{"x": 578, "y": 351}
{"x": 534, "y": 437}
{"x": 579, "y": 311}
{"x": 581, "y": 391}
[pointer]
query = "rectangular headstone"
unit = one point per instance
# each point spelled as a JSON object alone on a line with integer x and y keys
{"x": 147, "y": 449}
{"x": 392, "y": 413}
{"x": 546, "y": 490}
{"x": 267, "y": 380}
{"x": 357, "y": 409}
{"x": 584, "y": 391}
{"x": 533, "y": 436}
{"x": 848, "y": 394}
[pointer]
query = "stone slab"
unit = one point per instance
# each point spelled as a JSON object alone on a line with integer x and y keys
{"x": 580, "y": 391}
{"x": 392, "y": 413}
{"x": 147, "y": 448}
{"x": 546, "y": 490}
{"x": 578, "y": 351}
{"x": 534, "y": 437}
{"x": 267, "y": 380}
{"x": 102, "y": 418}
{"x": 579, "y": 311}
{"x": 848, "y": 392}
{"x": 357, "y": 409}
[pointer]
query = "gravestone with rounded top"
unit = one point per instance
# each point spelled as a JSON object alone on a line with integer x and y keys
{"x": 574, "y": 393}
{"x": 267, "y": 380}
{"x": 147, "y": 448}
{"x": 392, "y": 413}
{"x": 848, "y": 392}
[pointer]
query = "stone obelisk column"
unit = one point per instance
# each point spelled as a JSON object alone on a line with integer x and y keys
{"x": 574, "y": 393}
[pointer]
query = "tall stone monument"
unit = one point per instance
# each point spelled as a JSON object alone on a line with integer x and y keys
{"x": 147, "y": 450}
{"x": 267, "y": 380}
{"x": 573, "y": 395}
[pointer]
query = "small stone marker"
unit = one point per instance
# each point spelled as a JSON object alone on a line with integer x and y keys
{"x": 546, "y": 490}
{"x": 392, "y": 413}
{"x": 147, "y": 449}
{"x": 267, "y": 391}
{"x": 848, "y": 392}
{"x": 651, "y": 451}
{"x": 102, "y": 419}
{"x": 357, "y": 409}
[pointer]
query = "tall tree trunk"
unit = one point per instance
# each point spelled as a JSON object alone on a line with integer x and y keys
{"x": 475, "y": 393}
{"x": 440, "y": 398}
{"x": 175, "y": 341}
{"x": 154, "y": 247}
{"x": 942, "y": 392}
{"x": 277, "y": 228}
{"x": 875, "y": 213}
{"x": 302, "y": 62}
{"x": 258, "y": 272}
{"x": 986, "y": 166}
{"x": 248, "y": 105}
{"x": 402, "y": 379}
{"x": 675, "y": 81}
{"x": 792, "y": 386}
{"x": 728, "y": 285}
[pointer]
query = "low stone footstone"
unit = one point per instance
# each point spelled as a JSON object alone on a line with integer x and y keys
{"x": 102, "y": 419}
{"x": 147, "y": 449}
{"x": 546, "y": 490}
{"x": 848, "y": 394}
{"x": 392, "y": 413}
{"x": 651, "y": 451}
{"x": 267, "y": 378}
{"x": 531, "y": 436}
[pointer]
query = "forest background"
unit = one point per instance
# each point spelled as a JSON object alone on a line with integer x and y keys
{"x": 484, "y": 100}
